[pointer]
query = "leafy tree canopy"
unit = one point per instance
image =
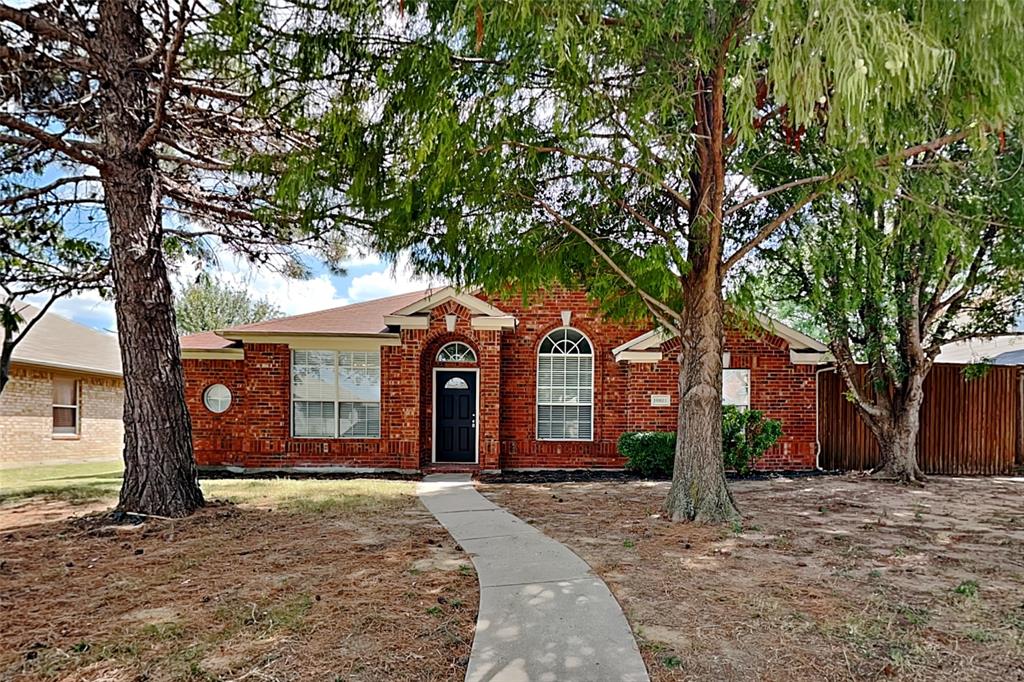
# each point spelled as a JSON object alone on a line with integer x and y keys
{"x": 206, "y": 305}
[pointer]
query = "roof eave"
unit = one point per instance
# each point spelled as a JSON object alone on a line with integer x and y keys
{"x": 81, "y": 369}
{"x": 240, "y": 336}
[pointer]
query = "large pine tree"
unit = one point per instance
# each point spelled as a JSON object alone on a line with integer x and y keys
{"x": 108, "y": 119}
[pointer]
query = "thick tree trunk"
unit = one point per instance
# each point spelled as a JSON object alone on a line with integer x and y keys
{"x": 160, "y": 476}
{"x": 5, "y": 364}
{"x": 897, "y": 435}
{"x": 699, "y": 491}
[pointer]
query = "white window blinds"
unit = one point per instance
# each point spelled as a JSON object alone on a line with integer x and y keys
{"x": 336, "y": 394}
{"x": 565, "y": 387}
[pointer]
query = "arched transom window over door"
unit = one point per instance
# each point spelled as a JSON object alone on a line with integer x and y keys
{"x": 565, "y": 386}
{"x": 456, "y": 351}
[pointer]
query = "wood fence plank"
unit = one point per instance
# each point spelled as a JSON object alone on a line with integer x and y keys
{"x": 968, "y": 427}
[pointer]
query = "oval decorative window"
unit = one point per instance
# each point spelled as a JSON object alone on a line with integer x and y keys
{"x": 456, "y": 382}
{"x": 456, "y": 351}
{"x": 217, "y": 398}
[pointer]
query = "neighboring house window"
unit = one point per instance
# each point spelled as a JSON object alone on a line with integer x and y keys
{"x": 565, "y": 386}
{"x": 336, "y": 395}
{"x": 456, "y": 352}
{"x": 65, "y": 407}
{"x": 736, "y": 387}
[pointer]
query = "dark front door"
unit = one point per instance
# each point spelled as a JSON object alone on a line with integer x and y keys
{"x": 455, "y": 418}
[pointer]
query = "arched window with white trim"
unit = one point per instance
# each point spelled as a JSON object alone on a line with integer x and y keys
{"x": 456, "y": 351}
{"x": 565, "y": 386}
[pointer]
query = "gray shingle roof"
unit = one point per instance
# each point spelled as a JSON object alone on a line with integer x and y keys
{"x": 57, "y": 342}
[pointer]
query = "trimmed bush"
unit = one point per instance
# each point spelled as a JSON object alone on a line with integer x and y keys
{"x": 746, "y": 436}
{"x": 649, "y": 453}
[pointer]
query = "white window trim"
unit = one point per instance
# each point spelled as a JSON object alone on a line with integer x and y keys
{"x": 750, "y": 386}
{"x": 206, "y": 404}
{"x": 336, "y": 401}
{"x": 536, "y": 384}
{"x": 472, "y": 353}
{"x": 78, "y": 421}
{"x": 433, "y": 415}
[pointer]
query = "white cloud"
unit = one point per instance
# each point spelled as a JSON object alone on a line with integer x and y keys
{"x": 291, "y": 296}
{"x": 85, "y": 308}
{"x": 387, "y": 282}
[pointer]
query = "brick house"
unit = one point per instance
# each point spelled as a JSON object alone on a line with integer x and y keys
{"x": 65, "y": 396}
{"x": 448, "y": 378}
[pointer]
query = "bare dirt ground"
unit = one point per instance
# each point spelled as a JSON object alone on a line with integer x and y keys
{"x": 358, "y": 585}
{"x": 828, "y": 578}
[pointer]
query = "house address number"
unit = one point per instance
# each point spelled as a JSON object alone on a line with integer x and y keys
{"x": 660, "y": 400}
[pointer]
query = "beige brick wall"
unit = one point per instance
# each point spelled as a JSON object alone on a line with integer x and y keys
{"x": 26, "y": 419}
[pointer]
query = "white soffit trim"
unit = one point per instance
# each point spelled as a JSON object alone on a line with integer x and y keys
{"x": 213, "y": 354}
{"x": 646, "y": 341}
{"x": 407, "y": 321}
{"x": 321, "y": 341}
{"x": 464, "y": 298}
{"x": 795, "y": 337}
{"x": 638, "y": 356}
{"x": 809, "y": 358}
{"x": 487, "y": 322}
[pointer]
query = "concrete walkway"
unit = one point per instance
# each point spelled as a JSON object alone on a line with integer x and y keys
{"x": 544, "y": 615}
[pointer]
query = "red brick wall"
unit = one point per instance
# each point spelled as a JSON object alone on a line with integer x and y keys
{"x": 778, "y": 388}
{"x": 255, "y": 430}
{"x": 218, "y": 439}
{"x": 487, "y": 345}
{"x": 519, "y": 447}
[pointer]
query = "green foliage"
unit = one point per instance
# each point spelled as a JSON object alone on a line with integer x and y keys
{"x": 649, "y": 453}
{"x": 207, "y": 305}
{"x": 976, "y": 370}
{"x": 746, "y": 436}
{"x": 473, "y": 145}
{"x": 967, "y": 588}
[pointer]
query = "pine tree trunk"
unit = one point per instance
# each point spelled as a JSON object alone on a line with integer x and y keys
{"x": 160, "y": 476}
{"x": 699, "y": 491}
{"x": 6, "y": 353}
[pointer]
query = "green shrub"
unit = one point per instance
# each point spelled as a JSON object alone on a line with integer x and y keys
{"x": 649, "y": 453}
{"x": 746, "y": 436}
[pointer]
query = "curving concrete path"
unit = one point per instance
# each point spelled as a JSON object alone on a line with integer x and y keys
{"x": 544, "y": 615}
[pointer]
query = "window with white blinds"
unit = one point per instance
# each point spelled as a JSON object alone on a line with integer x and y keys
{"x": 565, "y": 387}
{"x": 335, "y": 394}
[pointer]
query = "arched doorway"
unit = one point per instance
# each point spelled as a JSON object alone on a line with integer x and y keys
{"x": 456, "y": 398}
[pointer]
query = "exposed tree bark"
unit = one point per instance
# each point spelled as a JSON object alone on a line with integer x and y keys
{"x": 160, "y": 473}
{"x": 699, "y": 491}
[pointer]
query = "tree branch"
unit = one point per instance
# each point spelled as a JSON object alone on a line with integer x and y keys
{"x": 170, "y": 60}
{"x": 79, "y": 151}
{"x": 664, "y": 314}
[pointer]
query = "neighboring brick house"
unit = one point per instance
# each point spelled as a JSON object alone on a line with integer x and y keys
{"x": 443, "y": 378}
{"x": 65, "y": 396}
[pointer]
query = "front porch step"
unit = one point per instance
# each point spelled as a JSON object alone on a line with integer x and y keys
{"x": 451, "y": 469}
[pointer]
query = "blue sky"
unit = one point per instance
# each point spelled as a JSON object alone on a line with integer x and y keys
{"x": 367, "y": 277}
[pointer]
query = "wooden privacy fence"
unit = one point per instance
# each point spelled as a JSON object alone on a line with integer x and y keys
{"x": 971, "y": 426}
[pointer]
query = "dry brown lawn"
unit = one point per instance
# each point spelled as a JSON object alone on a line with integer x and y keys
{"x": 298, "y": 580}
{"x": 827, "y": 578}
